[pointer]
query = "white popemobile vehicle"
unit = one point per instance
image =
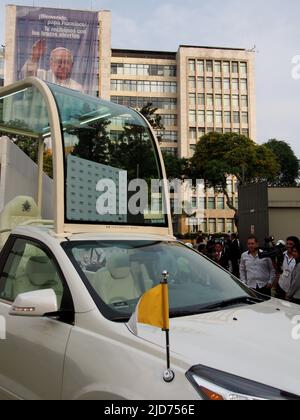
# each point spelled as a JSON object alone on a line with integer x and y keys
{"x": 68, "y": 287}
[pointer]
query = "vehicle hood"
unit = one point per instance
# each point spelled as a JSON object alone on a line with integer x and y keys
{"x": 259, "y": 342}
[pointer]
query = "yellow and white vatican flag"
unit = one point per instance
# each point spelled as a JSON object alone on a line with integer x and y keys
{"x": 153, "y": 309}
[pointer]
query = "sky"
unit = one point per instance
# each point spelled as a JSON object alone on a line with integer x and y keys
{"x": 273, "y": 26}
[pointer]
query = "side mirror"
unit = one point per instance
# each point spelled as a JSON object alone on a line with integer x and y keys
{"x": 35, "y": 304}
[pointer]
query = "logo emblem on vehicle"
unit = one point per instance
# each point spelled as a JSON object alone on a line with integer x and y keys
{"x": 26, "y": 207}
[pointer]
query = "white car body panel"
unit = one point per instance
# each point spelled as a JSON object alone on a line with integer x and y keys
{"x": 100, "y": 359}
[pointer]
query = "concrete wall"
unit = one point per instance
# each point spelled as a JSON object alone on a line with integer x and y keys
{"x": 284, "y": 212}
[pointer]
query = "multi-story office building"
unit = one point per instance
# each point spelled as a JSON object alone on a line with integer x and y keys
{"x": 2, "y": 51}
{"x": 196, "y": 90}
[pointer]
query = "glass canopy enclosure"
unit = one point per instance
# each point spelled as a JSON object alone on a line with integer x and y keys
{"x": 99, "y": 150}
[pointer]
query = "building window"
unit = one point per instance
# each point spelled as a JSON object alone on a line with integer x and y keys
{"x": 244, "y": 100}
{"x": 201, "y": 84}
{"x": 192, "y": 66}
{"x": 170, "y": 150}
{"x": 245, "y": 132}
{"x": 244, "y": 85}
{"x": 202, "y": 203}
{"x": 235, "y": 84}
{"x": 221, "y": 225}
{"x": 243, "y": 68}
{"x": 235, "y": 67}
{"x": 192, "y": 117}
{"x": 218, "y": 67}
{"x": 236, "y": 117}
{"x": 139, "y": 102}
{"x": 210, "y": 117}
{"x": 235, "y": 101}
{"x": 211, "y": 201}
{"x": 218, "y": 83}
{"x": 236, "y": 130}
{"x": 143, "y": 86}
{"x": 245, "y": 118}
{"x": 219, "y": 120}
{"x": 166, "y": 136}
{"x": 200, "y": 67}
{"x": 227, "y": 101}
{"x": 170, "y": 120}
{"x": 226, "y": 83}
{"x": 212, "y": 226}
{"x": 220, "y": 203}
{"x": 143, "y": 70}
{"x": 209, "y": 83}
{"x": 201, "y": 117}
{"x": 210, "y": 100}
{"x": 201, "y": 132}
{"x": 192, "y": 100}
{"x": 226, "y": 67}
{"x": 193, "y": 134}
{"x": 218, "y": 100}
{"x": 201, "y": 99}
{"x": 209, "y": 66}
{"x": 230, "y": 225}
{"x": 192, "y": 83}
{"x": 219, "y": 130}
{"x": 227, "y": 130}
{"x": 227, "y": 117}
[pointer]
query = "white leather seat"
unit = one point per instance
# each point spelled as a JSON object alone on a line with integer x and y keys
{"x": 116, "y": 283}
{"x": 20, "y": 210}
{"x": 40, "y": 274}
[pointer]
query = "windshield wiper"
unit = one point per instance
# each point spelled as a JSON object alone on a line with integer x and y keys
{"x": 248, "y": 300}
{"x": 235, "y": 301}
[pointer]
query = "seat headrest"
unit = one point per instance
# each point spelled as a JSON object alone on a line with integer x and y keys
{"x": 41, "y": 272}
{"x": 119, "y": 266}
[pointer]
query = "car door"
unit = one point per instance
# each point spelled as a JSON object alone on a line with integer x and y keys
{"x": 33, "y": 351}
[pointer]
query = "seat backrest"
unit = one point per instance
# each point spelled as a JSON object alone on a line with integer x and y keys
{"x": 20, "y": 210}
{"x": 40, "y": 274}
{"x": 116, "y": 283}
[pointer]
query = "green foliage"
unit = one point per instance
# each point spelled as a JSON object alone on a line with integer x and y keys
{"x": 219, "y": 155}
{"x": 288, "y": 162}
{"x": 175, "y": 167}
{"x": 152, "y": 116}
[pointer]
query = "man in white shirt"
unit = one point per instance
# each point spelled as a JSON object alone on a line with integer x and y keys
{"x": 288, "y": 266}
{"x": 61, "y": 66}
{"x": 258, "y": 274}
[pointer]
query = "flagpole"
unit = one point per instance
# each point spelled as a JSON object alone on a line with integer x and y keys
{"x": 169, "y": 375}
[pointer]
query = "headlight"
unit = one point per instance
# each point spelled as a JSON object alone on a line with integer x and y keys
{"x": 215, "y": 385}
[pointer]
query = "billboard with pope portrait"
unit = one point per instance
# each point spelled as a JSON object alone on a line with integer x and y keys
{"x": 58, "y": 46}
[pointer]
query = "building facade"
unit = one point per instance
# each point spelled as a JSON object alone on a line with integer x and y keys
{"x": 2, "y": 61}
{"x": 196, "y": 90}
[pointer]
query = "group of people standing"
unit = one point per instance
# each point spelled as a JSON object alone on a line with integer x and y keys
{"x": 277, "y": 277}
{"x": 266, "y": 275}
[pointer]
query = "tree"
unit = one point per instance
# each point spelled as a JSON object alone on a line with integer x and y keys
{"x": 218, "y": 156}
{"x": 150, "y": 113}
{"x": 288, "y": 162}
{"x": 175, "y": 167}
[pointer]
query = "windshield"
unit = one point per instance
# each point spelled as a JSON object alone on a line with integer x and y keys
{"x": 108, "y": 151}
{"x": 118, "y": 273}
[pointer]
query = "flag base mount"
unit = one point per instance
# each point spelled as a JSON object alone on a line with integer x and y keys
{"x": 169, "y": 376}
